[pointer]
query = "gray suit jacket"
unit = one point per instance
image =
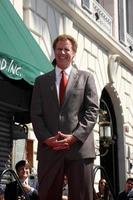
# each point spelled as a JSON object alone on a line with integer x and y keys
{"x": 77, "y": 115}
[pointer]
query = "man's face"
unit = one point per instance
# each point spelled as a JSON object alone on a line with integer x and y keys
{"x": 64, "y": 53}
{"x": 23, "y": 172}
{"x": 129, "y": 185}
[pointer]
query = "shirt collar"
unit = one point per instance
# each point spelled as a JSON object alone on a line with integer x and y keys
{"x": 67, "y": 70}
{"x": 24, "y": 180}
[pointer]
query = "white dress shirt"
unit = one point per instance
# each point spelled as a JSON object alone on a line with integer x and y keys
{"x": 27, "y": 182}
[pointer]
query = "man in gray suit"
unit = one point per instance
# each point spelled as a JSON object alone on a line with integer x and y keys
{"x": 64, "y": 127}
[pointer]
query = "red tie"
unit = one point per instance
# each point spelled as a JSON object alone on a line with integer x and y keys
{"x": 63, "y": 83}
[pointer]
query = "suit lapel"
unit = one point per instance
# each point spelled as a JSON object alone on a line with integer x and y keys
{"x": 71, "y": 83}
{"x": 53, "y": 89}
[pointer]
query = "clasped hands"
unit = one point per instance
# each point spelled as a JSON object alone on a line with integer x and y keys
{"x": 60, "y": 141}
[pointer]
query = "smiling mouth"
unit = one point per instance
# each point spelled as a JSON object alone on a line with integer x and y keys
{"x": 62, "y": 57}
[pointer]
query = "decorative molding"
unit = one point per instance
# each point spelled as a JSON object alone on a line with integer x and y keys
{"x": 113, "y": 67}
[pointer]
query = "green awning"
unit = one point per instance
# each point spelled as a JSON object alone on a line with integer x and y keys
{"x": 20, "y": 55}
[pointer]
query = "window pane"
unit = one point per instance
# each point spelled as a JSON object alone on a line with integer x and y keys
{"x": 129, "y": 15}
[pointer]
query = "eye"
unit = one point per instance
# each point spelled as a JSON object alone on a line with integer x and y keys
{"x": 61, "y": 49}
{"x": 66, "y": 49}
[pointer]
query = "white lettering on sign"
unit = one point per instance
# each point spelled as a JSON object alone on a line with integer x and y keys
{"x": 11, "y": 67}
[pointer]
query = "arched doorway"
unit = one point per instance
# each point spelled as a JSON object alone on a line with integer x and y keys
{"x": 109, "y": 160}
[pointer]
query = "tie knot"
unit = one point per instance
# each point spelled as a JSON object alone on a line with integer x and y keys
{"x": 62, "y": 72}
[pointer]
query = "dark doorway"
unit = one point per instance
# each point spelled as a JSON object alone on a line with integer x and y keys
{"x": 109, "y": 161}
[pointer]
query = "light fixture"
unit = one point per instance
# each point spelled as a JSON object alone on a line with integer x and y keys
{"x": 105, "y": 131}
{"x": 19, "y": 131}
{"x": 105, "y": 134}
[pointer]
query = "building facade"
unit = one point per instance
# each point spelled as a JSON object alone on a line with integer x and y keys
{"x": 104, "y": 32}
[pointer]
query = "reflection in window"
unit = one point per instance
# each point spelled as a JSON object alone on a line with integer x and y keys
{"x": 129, "y": 15}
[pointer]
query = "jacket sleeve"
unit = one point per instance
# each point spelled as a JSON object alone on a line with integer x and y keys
{"x": 90, "y": 110}
{"x": 37, "y": 114}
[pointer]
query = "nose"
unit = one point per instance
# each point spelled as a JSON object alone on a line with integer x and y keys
{"x": 62, "y": 51}
{"x": 25, "y": 170}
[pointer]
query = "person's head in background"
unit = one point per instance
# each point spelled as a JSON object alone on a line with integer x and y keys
{"x": 102, "y": 186}
{"x": 129, "y": 184}
{"x": 1, "y": 194}
{"x": 23, "y": 169}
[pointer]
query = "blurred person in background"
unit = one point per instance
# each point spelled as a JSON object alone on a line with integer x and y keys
{"x": 13, "y": 190}
{"x": 103, "y": 190}
{"x": 127, "y": 193}
{"x": 1, "y": 193}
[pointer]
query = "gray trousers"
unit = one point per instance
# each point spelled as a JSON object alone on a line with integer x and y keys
{"x": 80, "y": 179}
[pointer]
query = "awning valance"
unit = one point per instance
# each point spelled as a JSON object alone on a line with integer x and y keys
{"x": 20, "y": 55}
